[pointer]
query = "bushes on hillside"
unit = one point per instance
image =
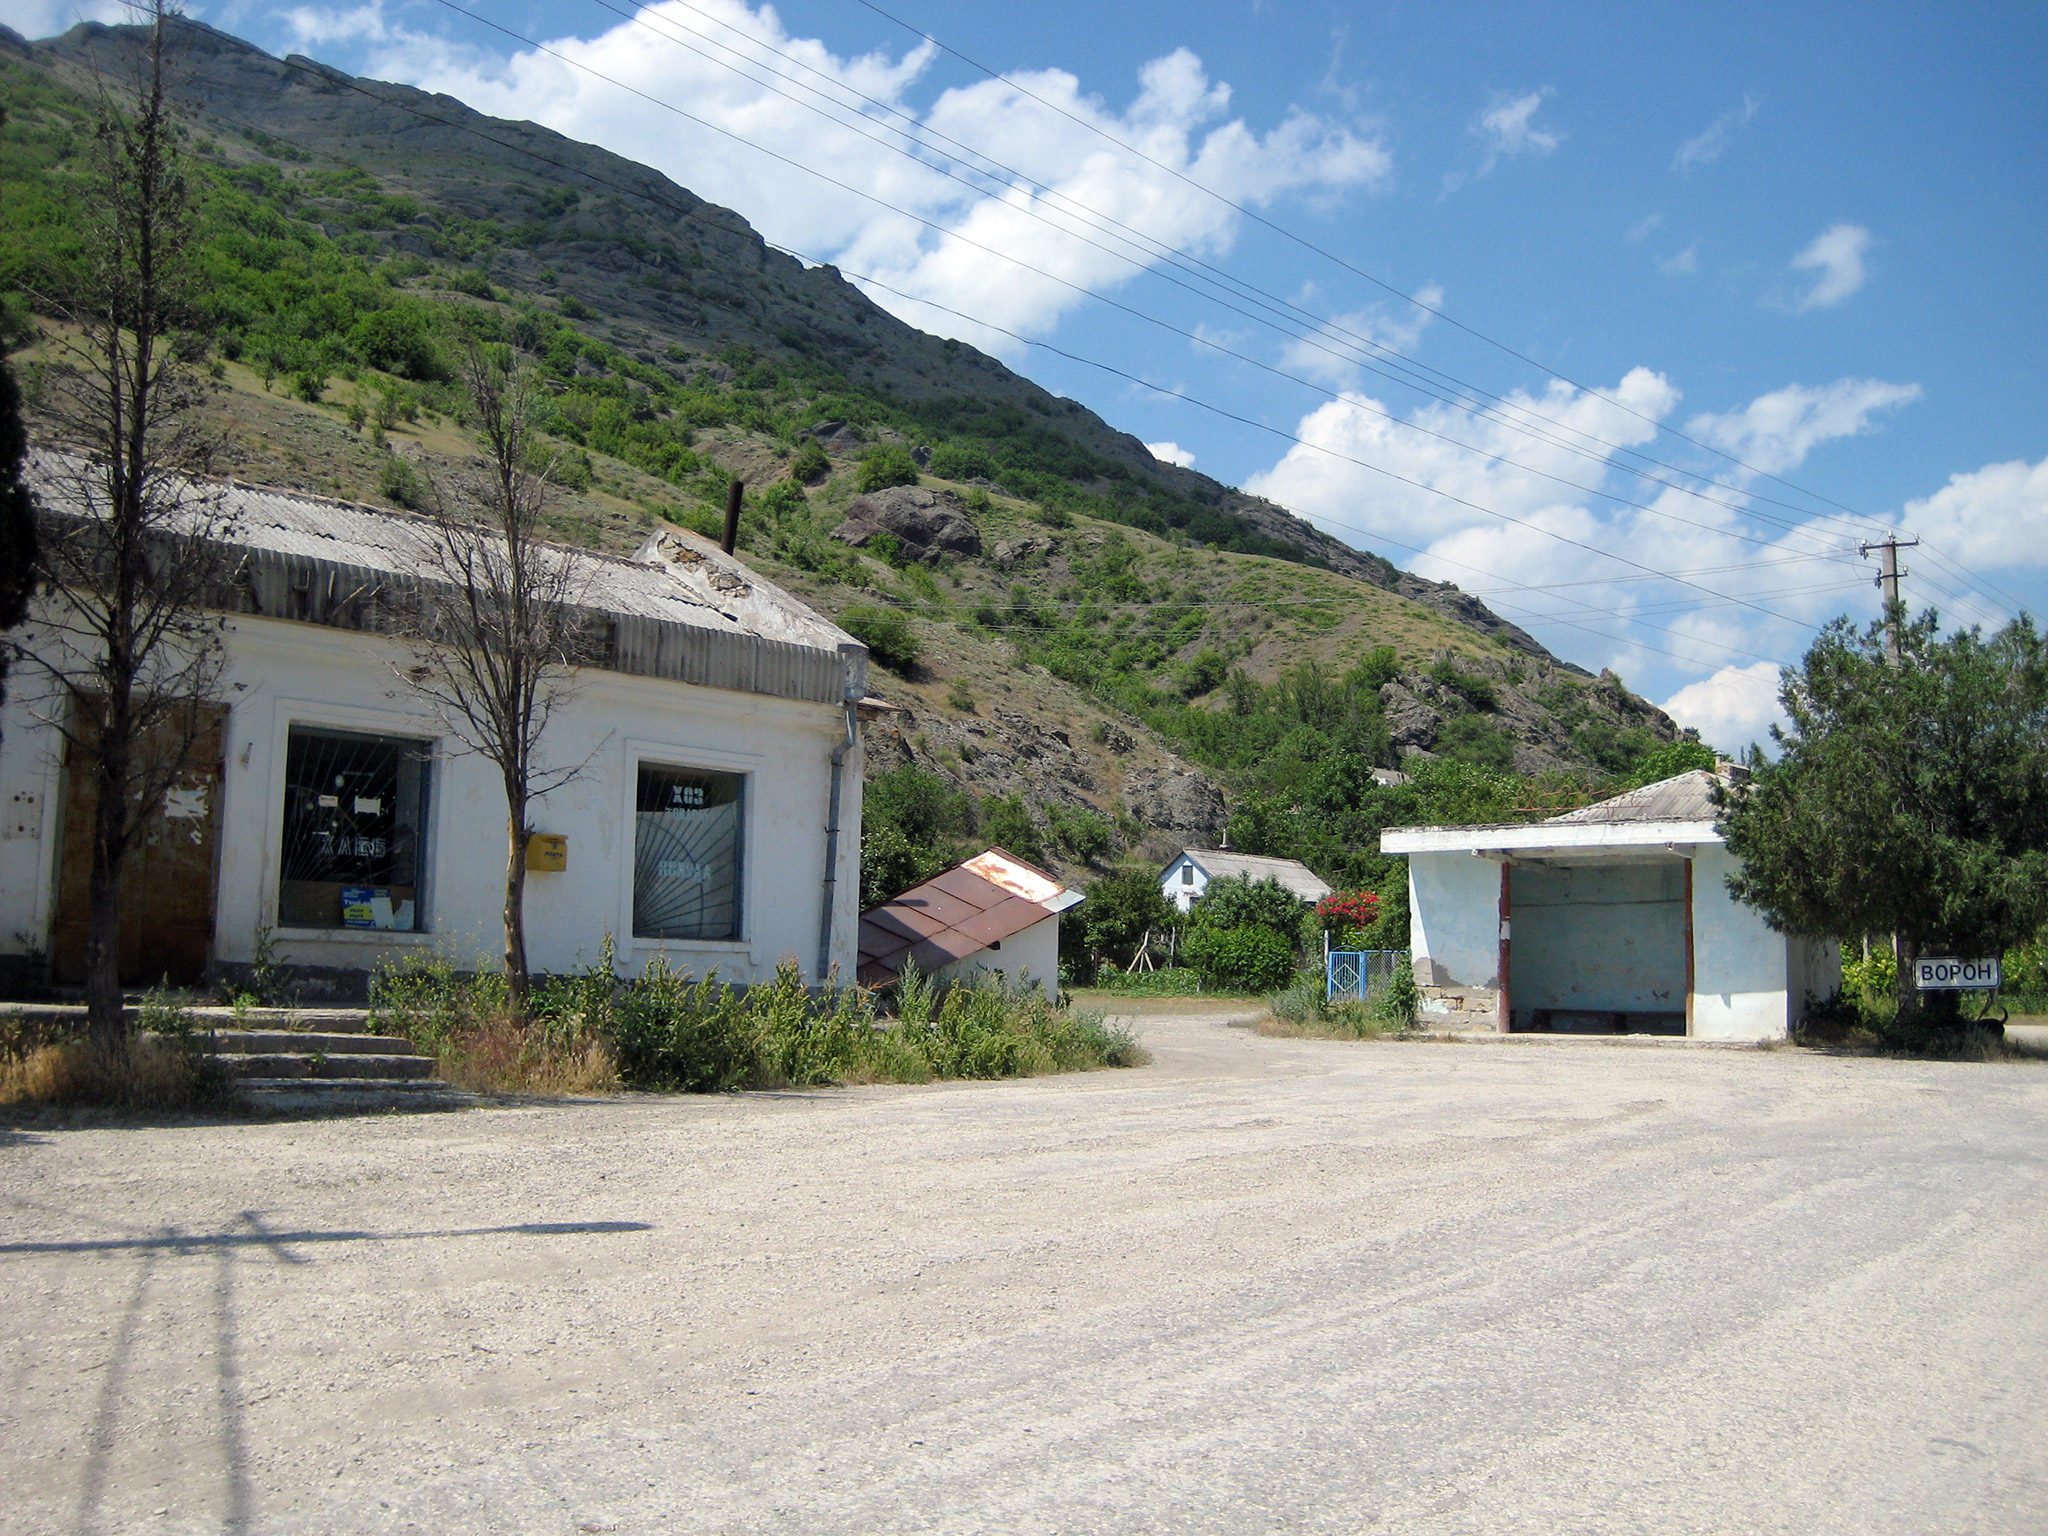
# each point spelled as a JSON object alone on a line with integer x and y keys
{"x": 884, "y": 465}
{"x": 887, "y": 633}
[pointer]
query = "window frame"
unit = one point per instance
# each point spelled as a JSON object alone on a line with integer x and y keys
{"x": 316, "y": 716}
{"x": 688, "y": 758}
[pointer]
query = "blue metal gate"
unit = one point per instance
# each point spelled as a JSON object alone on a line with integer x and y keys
{"x": 1353, "y": 974}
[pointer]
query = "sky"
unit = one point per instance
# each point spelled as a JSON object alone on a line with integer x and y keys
{"x": 1637, "y": 321}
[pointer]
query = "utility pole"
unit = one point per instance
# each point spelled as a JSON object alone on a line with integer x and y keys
{"x": 1888, "y": 579}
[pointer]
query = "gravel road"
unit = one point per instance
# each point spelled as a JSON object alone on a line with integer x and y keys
{"x": 1260, "y": 1286}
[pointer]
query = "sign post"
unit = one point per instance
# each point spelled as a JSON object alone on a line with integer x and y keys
{"x": 1945, "y": 973}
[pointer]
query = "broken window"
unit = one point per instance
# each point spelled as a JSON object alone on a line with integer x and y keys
{"x": 355, "y": 819}
{"x": 686, "y": 853}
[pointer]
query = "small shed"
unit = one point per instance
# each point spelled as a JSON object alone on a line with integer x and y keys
{"x": 1183, "y": 881}
{"x": 994, "y": 914}
{"x": 1615, "y": 918}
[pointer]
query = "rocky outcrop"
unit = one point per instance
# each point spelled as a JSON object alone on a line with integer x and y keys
{"x": 1178, "y": 801}
{"x": 925, "y": 524}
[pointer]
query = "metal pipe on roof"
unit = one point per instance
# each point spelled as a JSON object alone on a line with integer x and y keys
{"x": 733, "y": 493}
{"x": 853, "y": 688}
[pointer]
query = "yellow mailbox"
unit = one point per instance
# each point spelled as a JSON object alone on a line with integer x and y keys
{"x": 547, "y": 853}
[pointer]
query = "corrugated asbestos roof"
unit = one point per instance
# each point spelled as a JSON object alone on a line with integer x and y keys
{"x": 679, "y": 609}
{"x": 957, "y": 914}
{"x": 1688, "y": 797}
{"x": 1222, "y": 864}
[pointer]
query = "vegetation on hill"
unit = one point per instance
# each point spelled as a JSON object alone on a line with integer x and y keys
{"x": 1124, "y": 620}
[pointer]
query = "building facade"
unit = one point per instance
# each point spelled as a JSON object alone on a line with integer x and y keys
{"x": 335, "y": 821}
{"x": 1611, "y": 919}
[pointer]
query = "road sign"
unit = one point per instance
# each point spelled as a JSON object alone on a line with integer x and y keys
{"x": 1945, "y": 973}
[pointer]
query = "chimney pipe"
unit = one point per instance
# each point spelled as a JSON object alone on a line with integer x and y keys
{"x": 733, "y": 493}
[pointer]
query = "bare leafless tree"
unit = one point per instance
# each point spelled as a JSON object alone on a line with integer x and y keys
{"x": 498, "y": 624}
{"x": 134, "y": 551}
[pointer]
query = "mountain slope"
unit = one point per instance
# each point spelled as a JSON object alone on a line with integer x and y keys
{"x": 1103, "y": 642}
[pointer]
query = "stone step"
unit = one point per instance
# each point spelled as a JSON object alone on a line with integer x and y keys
{"x": 332, "y": 1021}
{"x": 304, "y": 1066}
{"x": 350, "y": 1095}
{"x": 261, "y": 1042}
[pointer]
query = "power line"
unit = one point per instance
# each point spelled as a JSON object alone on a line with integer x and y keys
{"x": 1400, "y": 371}
{"x": 641, "y": 194}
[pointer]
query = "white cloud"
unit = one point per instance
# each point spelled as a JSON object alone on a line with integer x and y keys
{"x": 1996, "y": 516}
{"x": 1752, "y": 587}
{"x": 1505, "y": 130}
{"x": 1170, "y": 453}
{"x": 1684, "y": 263}
{"x": 1178, "y": 116}
{"x": 313, "y": 26}
{"x": 1733, "y": 709}
{"x": 1705, "y": 147}
{"x": 1329, "y": 353}
{"x": 35, "y": 19}
{"x": 1837, "y": 254}
{"x": 1774, "y": 432}
{"x": 1646, "y": 226}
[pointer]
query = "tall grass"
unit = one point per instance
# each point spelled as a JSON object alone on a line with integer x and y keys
{"x": 162, "y": 1067}
{"x": 668, "y": 1030}
{"x": 1305, "y": 1011}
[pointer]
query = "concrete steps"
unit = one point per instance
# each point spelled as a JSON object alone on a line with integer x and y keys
{"x": 351, "y": 1095}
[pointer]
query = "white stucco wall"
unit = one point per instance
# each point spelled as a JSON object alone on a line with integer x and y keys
{"x": 282, "y": 673}
{"x": 1454, "y": 919}
{"x": 1032, "y": 956}
{"x": 1742, "y": 978}
{"x": 1597, "y": 938}
{"x": 1182, "y": 895}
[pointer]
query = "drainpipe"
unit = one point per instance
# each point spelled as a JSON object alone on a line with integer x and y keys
{"x": 852, "y": 657}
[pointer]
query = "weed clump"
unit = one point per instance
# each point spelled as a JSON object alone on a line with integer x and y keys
{"x": 667, "y": 1030}
{"x": 163, "y": 1067}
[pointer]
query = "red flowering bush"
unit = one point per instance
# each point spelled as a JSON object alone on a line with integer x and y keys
{"x": 1346, "y": 912}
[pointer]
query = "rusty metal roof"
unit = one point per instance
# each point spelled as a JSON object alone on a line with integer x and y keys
{"x": 957, "y": 914}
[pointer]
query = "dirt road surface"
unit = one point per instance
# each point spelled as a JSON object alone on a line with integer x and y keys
{"x": 1260, "y": 1286}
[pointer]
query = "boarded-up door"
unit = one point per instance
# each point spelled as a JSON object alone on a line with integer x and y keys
{"x": 167, "y": 889}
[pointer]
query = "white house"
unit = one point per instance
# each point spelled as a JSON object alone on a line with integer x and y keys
{"x": 993, "y": 914}
{"x": 1183, "y": 881}
{"x": 1614, "y": 918}
{"x": 715, "y": 820}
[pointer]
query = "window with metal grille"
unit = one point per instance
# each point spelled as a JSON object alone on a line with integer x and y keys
{"x": 354, "y": 838}
{"x": 686, "y": 853}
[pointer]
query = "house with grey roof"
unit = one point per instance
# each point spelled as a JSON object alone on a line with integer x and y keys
{"x": 1183, "y": 881}
{"x": 715, "y": 820}
{"x": 1611, "y": 919}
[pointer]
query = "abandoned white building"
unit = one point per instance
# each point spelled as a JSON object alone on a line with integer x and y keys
{"x": 993, "y": 914}
{"x": 1615, "y": 918}
{"x": 1183, "y": 881}
{"x": 715, "y": 819}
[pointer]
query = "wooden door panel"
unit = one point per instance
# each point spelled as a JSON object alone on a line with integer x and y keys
{"x": 169, "y": 885}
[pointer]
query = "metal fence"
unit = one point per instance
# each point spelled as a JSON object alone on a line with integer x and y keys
{"x": 1355, "y": 973}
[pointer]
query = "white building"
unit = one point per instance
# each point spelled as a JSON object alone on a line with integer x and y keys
{"x": 1615, "y": 918}
{"x": 1183, "y": 881}
{"x": 336, "y": 812}
{"x": 994, "y": 914}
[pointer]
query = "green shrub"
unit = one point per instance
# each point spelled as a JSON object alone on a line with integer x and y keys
{"x": 884, "y": 465}
{"x": 1240, "y": 959}
{"x": 810, "y": 464}
{"x": 1167, "y": 981}
{"x": 886, "y": 633}
{"x": 1006, "y": 822}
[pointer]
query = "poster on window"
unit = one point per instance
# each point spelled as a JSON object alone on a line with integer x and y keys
{"x": 686, "y": 853}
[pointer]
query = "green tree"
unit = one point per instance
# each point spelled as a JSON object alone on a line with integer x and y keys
{"x": 886, "y": 633}
{"x": 1907, "y": 798}
{"x": 1007, "y": 823}
{"x": 884, "y": 465}
{"x": 17, "y": 517}
{"x": 1122, "y": 907}
{"x": 912, "y": 822}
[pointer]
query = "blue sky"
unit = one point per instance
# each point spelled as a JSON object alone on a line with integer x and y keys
{"x": 1806, "y": 236}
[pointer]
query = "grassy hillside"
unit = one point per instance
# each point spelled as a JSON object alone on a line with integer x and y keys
{"x": 1127, "y": 633}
